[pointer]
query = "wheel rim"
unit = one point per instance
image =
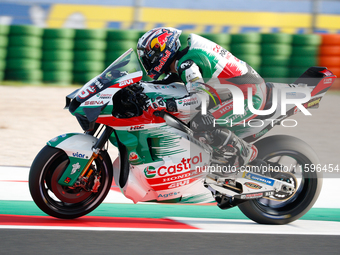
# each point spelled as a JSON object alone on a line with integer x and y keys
{"x": 305, "y": 183}
{"x": 65, "y": 193}
{"x": 61, "y": 199}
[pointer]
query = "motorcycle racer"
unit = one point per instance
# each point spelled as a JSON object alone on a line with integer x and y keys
{"x": 204, "y": 67}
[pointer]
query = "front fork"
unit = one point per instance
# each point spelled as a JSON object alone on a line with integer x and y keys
{"x": 79, "y": 170}
{"x": 96, "y": 149}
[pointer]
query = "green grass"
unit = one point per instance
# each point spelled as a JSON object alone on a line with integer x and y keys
{"x": 38, "y": 84}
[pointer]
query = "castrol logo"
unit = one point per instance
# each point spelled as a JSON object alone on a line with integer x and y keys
{"x": 184, "y": 166}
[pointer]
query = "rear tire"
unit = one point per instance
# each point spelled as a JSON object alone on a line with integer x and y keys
{"x": 51, "y": 162}
{"x": 265, "y": 211}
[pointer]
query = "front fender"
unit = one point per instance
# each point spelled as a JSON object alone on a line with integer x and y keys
{"x": 78, "y": 148}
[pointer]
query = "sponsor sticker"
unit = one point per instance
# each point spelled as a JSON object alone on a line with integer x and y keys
{"x": 150, "y": 172}
{"x": 314, "y": 102}
{"x": 185, "y": 64}
{"x": 138, "y": 127}
{"x": 133, "y": 156}
{"x": 261, "y": 133}
{"x": 78, "y": 155}
{"x": 126, "y": 82}
{"x": 75, "y": 167}
{"x": 252, "y": 196}
{"x": 104, "y": 96}
{"x": 99, "y": 102}
{"x": 163, "y": 61}
{"x": 184, "y": 166}
{"x": 171, "y": 194}
{"x": 252, "y": 185}
{"x": 67, "y": 180}
{"x": 258, "y": 178}
{"x": 57, "y": 137}
{"x": 328, "y": 81}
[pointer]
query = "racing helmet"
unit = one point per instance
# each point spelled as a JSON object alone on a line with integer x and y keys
{"x": 157, "y": 49}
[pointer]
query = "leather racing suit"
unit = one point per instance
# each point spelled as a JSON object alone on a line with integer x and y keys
{"x": 206, "y": 68}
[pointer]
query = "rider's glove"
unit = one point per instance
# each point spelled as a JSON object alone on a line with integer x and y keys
{"x": 156, "y": 105}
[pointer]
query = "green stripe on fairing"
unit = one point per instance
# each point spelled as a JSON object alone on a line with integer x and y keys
{"x": 163, "y": 143}
{"x": 161, "y": 211}
{"x": 57, "y": 140}
{"x": 81, "y": 162}
{"x": 107, "y": 110}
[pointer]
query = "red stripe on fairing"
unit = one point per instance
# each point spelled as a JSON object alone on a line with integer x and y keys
{"x": 323, "y": 85}
{"x": 145, "y": 118}
{"x": 91, "y": 221}
{"x": 134, "y": 80}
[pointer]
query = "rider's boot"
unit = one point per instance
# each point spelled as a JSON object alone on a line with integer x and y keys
{"x": 229, "y": 147}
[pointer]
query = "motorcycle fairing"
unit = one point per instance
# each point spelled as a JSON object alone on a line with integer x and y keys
{"x": 95, "y": 97}
{"x": 173, "y": 90}
{"x": 78, "y": 148}
{"x": 99, "y": 103}
{"x": 154, "y": 155}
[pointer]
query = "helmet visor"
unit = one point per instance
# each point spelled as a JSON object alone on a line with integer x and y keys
{"x": 148, "y": 59}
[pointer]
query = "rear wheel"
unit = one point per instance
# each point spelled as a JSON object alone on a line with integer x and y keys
{"x": 62, "y": 201}
{"x": 295, "y": 160}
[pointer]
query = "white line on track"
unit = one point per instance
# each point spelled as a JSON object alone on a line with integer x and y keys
{"x": 300, "y": 227}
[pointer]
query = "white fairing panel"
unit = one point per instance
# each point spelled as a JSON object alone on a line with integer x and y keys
{"x": 79, "y": 144}
{"x": 172, "y": 90}
{"x": 179, "y": 174}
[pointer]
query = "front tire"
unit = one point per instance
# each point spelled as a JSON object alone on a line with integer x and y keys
{"x": 72, "y": 203}
{"x": 277, "y": 150}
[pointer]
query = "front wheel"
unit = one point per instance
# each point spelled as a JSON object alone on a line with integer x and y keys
{"x": 62, "y": 201}
{"x": 294, "y": 158}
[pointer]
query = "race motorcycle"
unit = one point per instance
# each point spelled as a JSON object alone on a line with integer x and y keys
{"x": 161, "y": 161}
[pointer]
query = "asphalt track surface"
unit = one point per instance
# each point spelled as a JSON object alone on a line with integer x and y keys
{"x": 132, "y": 229}
{"x": 107, "y": 242}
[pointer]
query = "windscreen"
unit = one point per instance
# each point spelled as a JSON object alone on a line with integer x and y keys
{"x": 125, "y": 64}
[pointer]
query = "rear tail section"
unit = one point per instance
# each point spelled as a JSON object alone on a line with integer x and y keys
{"x": 321, "y": 79}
